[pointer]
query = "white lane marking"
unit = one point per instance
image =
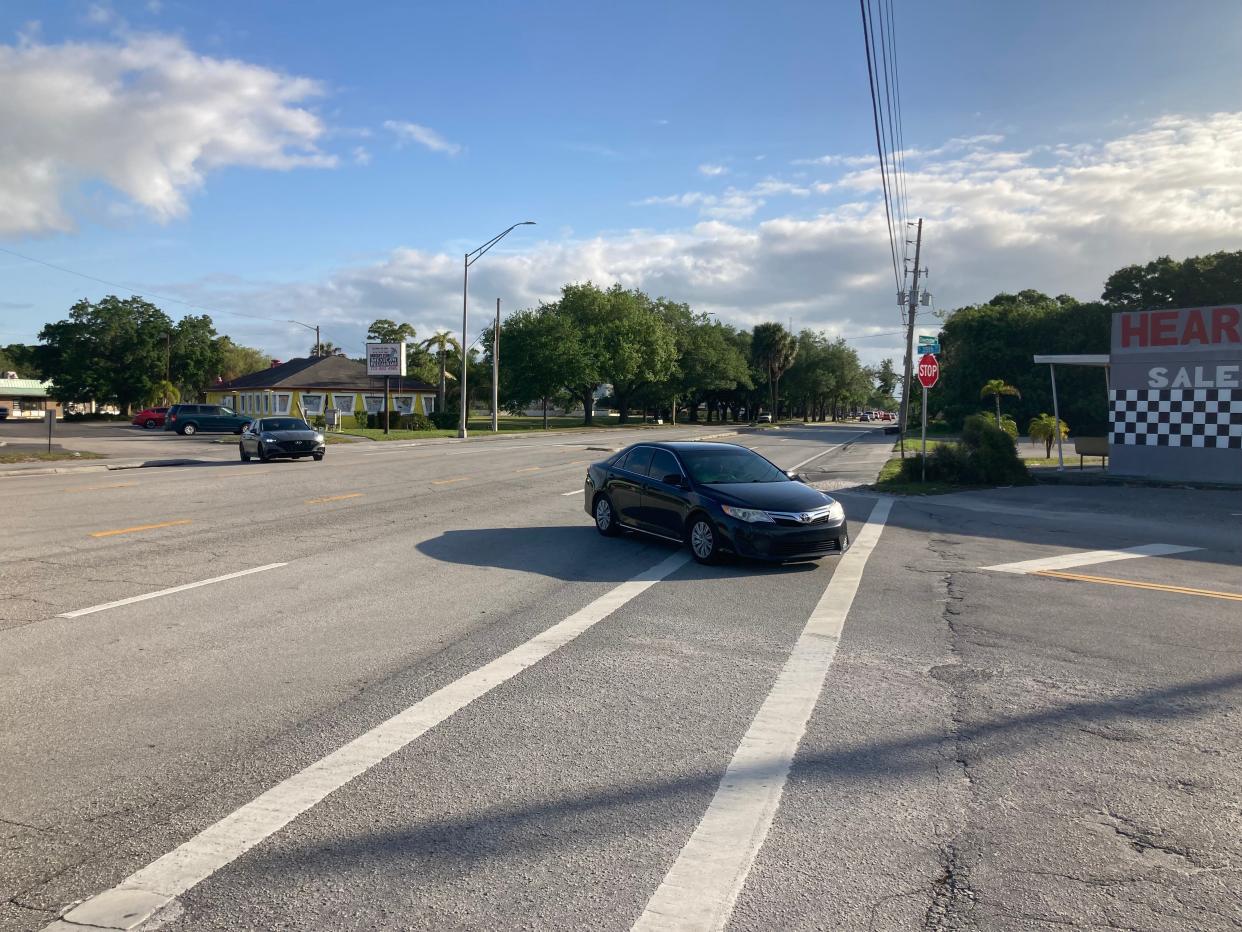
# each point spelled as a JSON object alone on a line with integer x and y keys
{"x": 701, "y": 887}
{"x": 155, "y": 595}
{"x": 1086, "y": 557}
{"x": 572, "y": 492}
{"x": 822, "y": 452}
{"x": 140, "y": 895}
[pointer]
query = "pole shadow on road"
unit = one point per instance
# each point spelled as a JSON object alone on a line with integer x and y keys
{"x": 576, "y": 553}
{"x": 504, "y": 831}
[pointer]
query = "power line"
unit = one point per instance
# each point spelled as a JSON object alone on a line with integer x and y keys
{"x": 130, "y": 288}
{"x": 872, "y": 76}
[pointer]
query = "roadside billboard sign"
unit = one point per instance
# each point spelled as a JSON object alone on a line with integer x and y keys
{"x": 386, "y": 359}
{"x": 1175, "y": 393}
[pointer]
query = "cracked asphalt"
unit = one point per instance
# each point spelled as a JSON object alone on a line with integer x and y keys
{"x": 989, "y": 750}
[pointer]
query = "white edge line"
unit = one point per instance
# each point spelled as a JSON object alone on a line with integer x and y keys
{"x": 1087, "y": 557}
{"x": 155, "y": 595}
{"x": 143, "y": 893}
{"x": 816, "y": 456}
{"x": 702, "y": 886}
{"x": 572, "y": 492}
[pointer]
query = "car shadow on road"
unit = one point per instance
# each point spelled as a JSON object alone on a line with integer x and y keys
{"x": 577, "y": 553}
{"x": 443, "y": 845}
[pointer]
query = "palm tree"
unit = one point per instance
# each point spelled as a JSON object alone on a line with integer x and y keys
{"x": 327, "y": 348}
{"x": 774, "y": 349}
{"x": 1044, "y": 428}
{"x": 440, "y": 343}
{"x": 995, "y": 388}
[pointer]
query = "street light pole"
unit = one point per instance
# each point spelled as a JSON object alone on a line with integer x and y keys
{"x": 315, "y": 328}
{"x": 468, "y": 260}
{"x": 496, "y": 372}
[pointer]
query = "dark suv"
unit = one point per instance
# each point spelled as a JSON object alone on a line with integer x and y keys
{"x": 190, "y": 419}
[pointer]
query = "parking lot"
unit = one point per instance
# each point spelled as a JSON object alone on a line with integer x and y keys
{"x": 411, "y": 687}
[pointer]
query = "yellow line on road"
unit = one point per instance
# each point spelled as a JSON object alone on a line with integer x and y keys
{"x": 99, "y": 488}
{"x": 447, "y": 481}
{"x": 333, "y": 498}
{"x": 529, "y": 469}
{"x": 140, "y": 527}
{"x": 1134, "y": 584}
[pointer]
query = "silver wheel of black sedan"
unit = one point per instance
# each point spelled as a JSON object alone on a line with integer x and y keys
{"x": 605, "y": 519}
{"x": 703, "y": 541}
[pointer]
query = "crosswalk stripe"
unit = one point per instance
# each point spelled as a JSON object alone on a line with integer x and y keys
{"x": 138, "y": 897}
{"x": 700, "y": 889}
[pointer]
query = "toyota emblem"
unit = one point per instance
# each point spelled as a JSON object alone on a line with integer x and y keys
{"x": 806, "y": 518}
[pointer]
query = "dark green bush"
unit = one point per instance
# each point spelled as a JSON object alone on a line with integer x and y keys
{"x": 986, "y": 456}
{"x": 445, "y": 420}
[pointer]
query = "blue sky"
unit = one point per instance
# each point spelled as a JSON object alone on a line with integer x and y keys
{"x": 331, "y": 162}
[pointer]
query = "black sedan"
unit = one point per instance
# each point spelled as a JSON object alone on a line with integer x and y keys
{"x": 714, "y": 497}
{"x": 270, "y": 437}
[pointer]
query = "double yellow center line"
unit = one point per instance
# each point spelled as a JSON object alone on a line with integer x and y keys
{"x": 1134, "y": 584}
{"x": 140, "y": 527}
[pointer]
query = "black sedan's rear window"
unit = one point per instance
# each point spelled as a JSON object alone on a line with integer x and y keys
{"x": 721, "y": 466}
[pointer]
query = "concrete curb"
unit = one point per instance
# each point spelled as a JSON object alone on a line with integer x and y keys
{"x": 52, "y": 470}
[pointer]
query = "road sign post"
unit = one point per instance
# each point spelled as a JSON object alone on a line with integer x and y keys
{"x": 929, "y": 375}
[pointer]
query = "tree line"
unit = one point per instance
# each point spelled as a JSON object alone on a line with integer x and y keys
{"x": 637, "y": 353}
{"x": 127, "y": 352}
{"x": 658, "y": 355}
{"x": 998, "y": 338}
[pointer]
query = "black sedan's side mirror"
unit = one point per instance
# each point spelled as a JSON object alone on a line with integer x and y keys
{"x": 677, "y": 479}
{"x": 796, "y": 476}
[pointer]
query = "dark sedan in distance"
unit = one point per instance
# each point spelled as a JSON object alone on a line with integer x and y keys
{"x": 270, "y": 437}
{"x": 715, "y": 498}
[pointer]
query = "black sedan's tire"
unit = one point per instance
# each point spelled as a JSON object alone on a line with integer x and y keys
{"x": 245, "y": 457}
{"x": 263, "y": 457}
{"x": 605, "y": 517}
{"x": 317, "y": 457}
{"x": 703, "y": 540}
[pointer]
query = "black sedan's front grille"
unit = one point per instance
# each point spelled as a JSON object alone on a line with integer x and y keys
{"x": 789, "y": 522}
{"x": 789, "y": 548}
{"x": 294, "y": 446}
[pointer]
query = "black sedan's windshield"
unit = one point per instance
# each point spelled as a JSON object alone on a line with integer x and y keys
{"x": 719, "y": 466}
{"x": 284, "y": 423}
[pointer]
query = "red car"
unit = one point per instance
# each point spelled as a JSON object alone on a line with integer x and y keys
{"x": 151, "y": 418}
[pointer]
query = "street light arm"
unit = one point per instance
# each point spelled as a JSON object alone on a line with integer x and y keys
{"x": 475, "y": 254}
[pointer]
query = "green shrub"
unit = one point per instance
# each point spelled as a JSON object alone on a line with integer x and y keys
{"x": 445, "y": 420}
{"x": 415, "y": 422}
{"x": 361, "y": 419}
{"x": 986, "y": 456}
{"x": 949, "y": 462}
{"x": 318, "y": 421}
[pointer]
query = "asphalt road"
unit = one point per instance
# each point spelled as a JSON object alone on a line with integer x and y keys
{"x": 454, "y": 705}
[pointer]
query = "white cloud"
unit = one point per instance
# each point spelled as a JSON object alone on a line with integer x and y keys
{"x": 145, "y": 115}
{"x": 711, "y": 170}
{"x": 361, "y": 155}
{"x": 1057, "y": 219}
{"x": 423, "y": 135}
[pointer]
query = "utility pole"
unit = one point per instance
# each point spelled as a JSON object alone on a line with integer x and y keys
{"x": 496, "y": 371}
{"x": 318, "y": 342}
{"x": 914, "y": 306}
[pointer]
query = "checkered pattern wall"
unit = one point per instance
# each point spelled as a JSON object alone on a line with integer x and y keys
{"x": 1177, "y": 417}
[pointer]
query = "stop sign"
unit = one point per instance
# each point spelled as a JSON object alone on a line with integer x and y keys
{"x": 929, "y": 371}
